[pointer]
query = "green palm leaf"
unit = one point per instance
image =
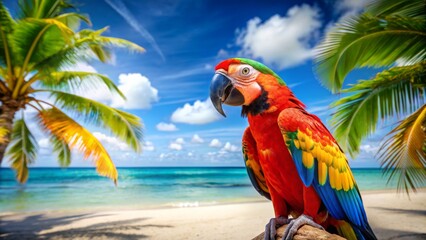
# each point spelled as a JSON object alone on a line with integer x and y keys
{"x": 407, "y": 8}
{"x": 397, "y": 91}
{"x": 102, "y": 53}
{"x": 402, "y": 153}
{"x": 35, "y": 47}
{"x": 42, "y": 9}
{"x": 34, "y": 41}
{"x": 60, "y": 125}
{"x": 68, "y": 56}
{"x": 75, "y": 80}
{"x": 369, "y": 41}
{"x": 105, "y": 41}
{"x": 6, "y": 26}
{"x": 23, "y": 150}
{"x": 73, "y": 20}
{"x": 6, "y": 21}
{"x": 124, "y": 125}
{"x": 100, "y": 45}
{"x": 88, "y": 45}
{"x": 66, "y": 31}
{"x": 62, "y": 149}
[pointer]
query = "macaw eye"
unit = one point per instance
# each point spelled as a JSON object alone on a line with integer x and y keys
{"x": 245, "y": 71}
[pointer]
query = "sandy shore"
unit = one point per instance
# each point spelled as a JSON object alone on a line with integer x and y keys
{"x": 391, "y": 216}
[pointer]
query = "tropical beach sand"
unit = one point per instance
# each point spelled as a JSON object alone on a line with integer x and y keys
{"x": 391, "y": 217}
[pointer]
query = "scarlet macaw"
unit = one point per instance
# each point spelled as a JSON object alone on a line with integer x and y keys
{"x": 290, "y": 156}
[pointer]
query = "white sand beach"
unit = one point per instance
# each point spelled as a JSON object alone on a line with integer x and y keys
{"x": 391, "y": 216}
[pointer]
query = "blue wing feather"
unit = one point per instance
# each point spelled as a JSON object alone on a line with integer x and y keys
{"x": 342, "y": 204}
{"x": 306, "y": 174}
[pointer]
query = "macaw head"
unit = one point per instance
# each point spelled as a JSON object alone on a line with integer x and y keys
{"x": 242, "y": 82}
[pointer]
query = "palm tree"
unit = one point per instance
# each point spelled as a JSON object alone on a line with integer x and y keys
{"x": 389, "y": 35}
{"x": 36, "y": 48}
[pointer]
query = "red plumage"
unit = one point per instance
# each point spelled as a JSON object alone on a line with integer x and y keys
{"x": 288, "y": 194}
{"x": 290, "y": 155}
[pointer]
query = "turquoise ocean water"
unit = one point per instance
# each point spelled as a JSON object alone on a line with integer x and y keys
{"x": 82, "y": 188}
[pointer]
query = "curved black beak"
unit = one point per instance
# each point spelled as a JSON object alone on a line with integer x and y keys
{"x": 222, "y": 91}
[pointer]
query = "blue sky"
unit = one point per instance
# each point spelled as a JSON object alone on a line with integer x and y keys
{"x": 168, "y": 85}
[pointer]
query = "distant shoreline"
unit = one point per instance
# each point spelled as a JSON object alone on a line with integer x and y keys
{"x": 372, "y": 168}
{"x": 50, "y": 189}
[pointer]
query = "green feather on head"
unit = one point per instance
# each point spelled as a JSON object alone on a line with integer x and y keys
{"x": 262, "y": 68}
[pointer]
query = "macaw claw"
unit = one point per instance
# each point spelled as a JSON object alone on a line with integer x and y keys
{"x": 271, "y": 227}
{"x": 295, "y": 224}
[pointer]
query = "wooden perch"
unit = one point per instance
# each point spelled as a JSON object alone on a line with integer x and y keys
{"x": 304, "y": 233}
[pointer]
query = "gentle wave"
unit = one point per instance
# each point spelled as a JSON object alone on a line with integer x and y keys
{"x": 82, "y": 188}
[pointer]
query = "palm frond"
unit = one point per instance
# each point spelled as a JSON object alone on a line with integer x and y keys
{"x": 6, "y": 20}
{"x": 6, "y": 25}
{"x": 68, "y": 56}
{"x": 368, "y": 41}
{"x": 23, "y": 150}
{"x": 66, "y": 31}
{"x": 88, "y": 45}
{"x": 73, "y": 20}
{"x": 57, "y": 123}
{"x": 109, "y": 41}
{"x": 33, "y": 41}
{"x": 102, "y": 53}
{"x": 3, "y": 134}
{"x": 401, "y": 154}
{"x": 42, "y": 9}
{"x": 397, "y": 91}
{"x": 77, "y": 81}
{"x": 406, "y": 8}
{"x": 62, "y": 149}
{"x": 124, "y": 125}
{"x": 118, "y": 42}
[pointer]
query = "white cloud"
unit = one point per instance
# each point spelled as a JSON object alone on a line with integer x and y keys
{"x": 137, "y": 88}
{"x": 197, "y": 139}
{"x": 175, "y": 146}
{"x": 347, "y": 8}
{"x": 215, "y": 143}
{"x": 138, "y": 91}
{"x": 283, "y": 41}
{"x": 230, "y": 148}
{"x": 180, "y": 141}
{"x": 190, "y": 154}
{"x": 112, "y": 142}
{"x": 148, "y": 146}
{"x": 101, "y": 94}
{"x": 222, "y": 53}
{"x": 369, "y": 148}
{"x": 201, "y": 112}
{"x": 82, "y": 67}
{"x": 166, "y": 127}
{"x": 44, "y": 143}
{"x": 351, "y": 6}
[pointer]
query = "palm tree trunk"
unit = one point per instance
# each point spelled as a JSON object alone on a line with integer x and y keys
{"x": 7, "y": 114}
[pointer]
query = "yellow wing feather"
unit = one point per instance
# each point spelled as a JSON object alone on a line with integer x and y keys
{"x": 254, "y": 169}
{"x": 332, "y": 162}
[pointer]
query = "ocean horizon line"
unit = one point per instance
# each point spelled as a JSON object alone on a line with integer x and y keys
{"x": 127, "y": 167}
